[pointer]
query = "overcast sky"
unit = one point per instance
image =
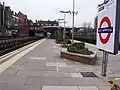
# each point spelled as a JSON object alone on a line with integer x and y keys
{"x": 49, "y": 9}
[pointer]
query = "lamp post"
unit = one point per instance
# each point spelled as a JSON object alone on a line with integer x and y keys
{"x": 73, "y": 21}
{"x": 60, "y": 20}
{"x": 59, "y": 30}
{"x": 3, "y": 19}
{"x": 64, "y": 12}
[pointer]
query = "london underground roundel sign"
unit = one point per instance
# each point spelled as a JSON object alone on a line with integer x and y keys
{"x": 107, "y": 20}
{"x": 108, "y": 26}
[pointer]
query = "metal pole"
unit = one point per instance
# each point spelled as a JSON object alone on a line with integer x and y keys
{"x": 3, "y": 12}
{"x": 73, "y": 20}
{"x": 58, "y": 28}
{"x": 64, "y": 28}
{"x": 104, "y": 63}
{"x": 3, "y": 18}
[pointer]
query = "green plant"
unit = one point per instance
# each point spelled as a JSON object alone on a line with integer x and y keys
{"x": 79, "y": 48}
{"x": 59, "y": 38}
{"x": 67, "y": 40}
{"x": 79, "y": 45}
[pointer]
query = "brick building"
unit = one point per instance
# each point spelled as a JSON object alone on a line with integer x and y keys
{"x": 23, "y": 30}
{"x": 1, "y": 18}
{"x": 8, "y": 18}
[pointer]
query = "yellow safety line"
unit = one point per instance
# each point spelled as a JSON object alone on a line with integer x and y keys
{"x": 114, "y": 82}
{"x": 9, "y": 55}
{"x": 2, "y": 58}
{"x": 12, "y": 60}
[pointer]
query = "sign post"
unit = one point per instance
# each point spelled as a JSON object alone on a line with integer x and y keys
{"x": 108, "y": 30}
{"x": 104, "y": 63}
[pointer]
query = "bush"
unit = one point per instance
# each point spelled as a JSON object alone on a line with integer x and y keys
{"x": 79, "y": 48}
{"x": 59, "y": 39}
{"x": 67, "y": 40}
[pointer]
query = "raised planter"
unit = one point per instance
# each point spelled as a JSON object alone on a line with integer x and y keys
{"x": 87, "y": 59}
{"x": 58, "y": 42}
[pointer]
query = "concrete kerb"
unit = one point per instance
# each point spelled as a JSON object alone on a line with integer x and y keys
{"x": 88, "y": 59}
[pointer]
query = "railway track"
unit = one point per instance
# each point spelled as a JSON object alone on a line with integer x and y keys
{"x": 7, "y": 46}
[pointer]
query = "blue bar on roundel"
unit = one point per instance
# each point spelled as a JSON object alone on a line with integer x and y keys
{"x": 105, "y": 30}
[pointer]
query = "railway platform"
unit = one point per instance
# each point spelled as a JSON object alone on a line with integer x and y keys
{"x": 38, "y": 66}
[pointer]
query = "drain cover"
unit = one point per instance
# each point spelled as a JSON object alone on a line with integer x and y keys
{"x": 88, "y": 74}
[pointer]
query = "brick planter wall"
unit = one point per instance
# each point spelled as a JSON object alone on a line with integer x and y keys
{"x": 87, "y": 59}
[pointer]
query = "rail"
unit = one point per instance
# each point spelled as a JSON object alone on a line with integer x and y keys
{"x": 12, "y": 44}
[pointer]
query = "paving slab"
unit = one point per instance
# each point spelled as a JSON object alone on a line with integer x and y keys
{"x": 67, "y": 70}
{"x": 13, "y": 79}
{"x": 9, "y": 72}
{"x": 50, "y": 88}
{"x": 20, "y": 87}
{"x": 20, "y": 62}
{"x": 32, "y": 68}
{"x": 2, "y": 86}
{"x": 14, "y": 67}
{"x": 69, "y": 88}
{"x": 51, "y": 68}
{"x": 104, "y": 87}
{"x": 52, "y": 74}
{"x": 35, "y": 61}
{"x": 56, "y": 64}
{"x": 61, "y": 64}
{"x": 59, "y": 60}
{"x": 76, "y": 75}
{"x": 60, "y": 88}
{"x": 69, "y": 81}
{"x": 34, "y": 64}
{"x": 82, "y": 81}
{"x": 50, "y": 64}
{"x": 30, "y": 73}
{"x": 33, "y": 81}
{"x": 88, "y": 88}
{"x": 38, "y": 58}
{"x": 50, "y": 81}
{"x": 65, "y": 75}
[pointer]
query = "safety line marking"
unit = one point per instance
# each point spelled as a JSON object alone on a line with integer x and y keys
{"x": 12, "y": 60}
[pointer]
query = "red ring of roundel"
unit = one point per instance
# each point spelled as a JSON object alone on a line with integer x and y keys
{"x": 107, "y": 20}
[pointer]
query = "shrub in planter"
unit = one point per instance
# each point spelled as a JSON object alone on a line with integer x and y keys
{"x": 67, "y": 40}
{"x": 79, "y": 48}
{"x": 59, "y": 38}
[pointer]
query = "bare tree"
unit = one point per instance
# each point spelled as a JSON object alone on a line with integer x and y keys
{"x": 95, "y": 22}
{"x": 87, "y": 25}
{"x": 84, "y": 25}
